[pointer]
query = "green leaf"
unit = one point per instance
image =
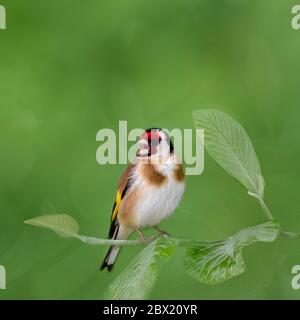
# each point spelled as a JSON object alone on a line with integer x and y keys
{"x": 217, "y": 261}
{"x": 228, "y": 144}
{"x": 138, "y": 279}
{"x": 66, "y": 226}
{"x": 63, "y": 224}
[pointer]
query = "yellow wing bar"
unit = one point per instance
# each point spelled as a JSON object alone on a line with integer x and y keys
{"x": 117, "y": 205}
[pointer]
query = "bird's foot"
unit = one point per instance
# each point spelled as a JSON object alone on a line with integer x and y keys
{"x": 163, "y": 233}
{"x": 142, "y": 237}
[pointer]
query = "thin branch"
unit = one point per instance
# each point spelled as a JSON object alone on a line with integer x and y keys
{"x": 96, "y": 241}
{"x": 262, "y": 204}
{"x": 266, "y": 209}
{"x": 284, "y": 234}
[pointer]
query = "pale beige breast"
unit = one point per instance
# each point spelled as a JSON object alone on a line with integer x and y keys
{"x": 152, "y": 197}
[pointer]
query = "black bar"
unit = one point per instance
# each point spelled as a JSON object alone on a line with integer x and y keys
{"x": 179, "y": 309}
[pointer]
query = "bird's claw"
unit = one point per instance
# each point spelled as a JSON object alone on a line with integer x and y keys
{"x": 145, "y": 239}
{"x": 163, "y": 233}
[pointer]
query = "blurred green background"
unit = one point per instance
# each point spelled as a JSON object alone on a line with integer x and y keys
{"x": 69, "y": 68}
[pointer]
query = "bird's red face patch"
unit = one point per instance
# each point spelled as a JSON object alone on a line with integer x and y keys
{"x": 151, "y": 135}
{"x": 149, "y": 143}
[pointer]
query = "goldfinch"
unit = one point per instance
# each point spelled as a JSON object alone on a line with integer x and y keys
{"x": 149, "y": 190}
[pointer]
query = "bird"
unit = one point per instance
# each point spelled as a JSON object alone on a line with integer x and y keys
{"x": 149, "y": 190}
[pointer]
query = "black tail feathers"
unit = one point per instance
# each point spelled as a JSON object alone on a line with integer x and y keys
{"x": 110, "y": 259}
